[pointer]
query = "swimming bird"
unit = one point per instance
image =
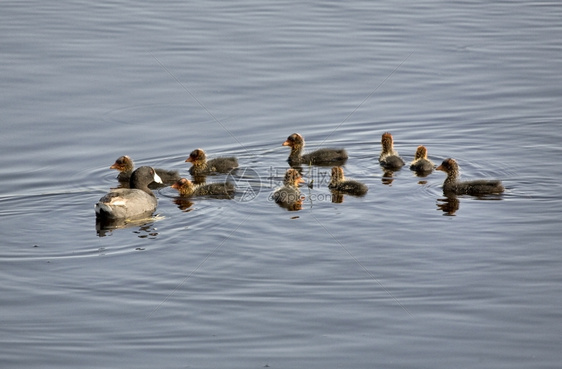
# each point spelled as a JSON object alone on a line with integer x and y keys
{"x": 452, "y": 185}
{"x": 136, "y": 201}
{"x": 289, "y": 194}
{"x": 421, "y": 164}
{"x": 201, "y": 166}
{"x": 340, "y": 184}
{"x": 186, "y": 188}
{"x": 389, "y": 158}
{"x": 324, "y": 156}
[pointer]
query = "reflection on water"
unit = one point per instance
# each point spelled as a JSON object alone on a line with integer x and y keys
{"x": 387, "y": 177}
{"x": 184, "y": 203}
{"x": 147, "y": 231}
{"x": 421, "y": 174}
{"x": 448, "y": 205}
{"x": 292, "y": 205}
{"x": 105, "y": 227}
{"x": 337, "y": 197}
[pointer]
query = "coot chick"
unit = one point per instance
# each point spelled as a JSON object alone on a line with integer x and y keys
{"x": 350, "y": 187}
{"x": 127, "y": 203}
{"x": 124, "y": 164}
{"x": 421, "y": 164}
{"x": 389, "y": 158}
{"x": 202, "y": 166}
{"x": 325, "y": 156}
{"x": 452, "y": 185}
{"x": 289, "y": 193}
{"x": 186, "y": 188}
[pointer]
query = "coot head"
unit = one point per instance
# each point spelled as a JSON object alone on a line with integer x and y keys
{"x": 421, "y": 153}
{"x": 196, "y": 156}
{"x": 294, "y": 140}
{"x": 123, "y": 164}
{"x": 448, "y": 166}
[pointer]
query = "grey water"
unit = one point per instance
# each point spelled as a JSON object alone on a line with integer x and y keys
{"x": 400, "y": 278}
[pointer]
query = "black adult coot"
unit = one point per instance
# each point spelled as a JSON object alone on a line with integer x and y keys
{"x": 128, "y": 203}
{"x": 340, "y": 184}
{"x": 202, "y": 166}
{"x": 421, "y": 164}
{"x": 124, "y": 164}
{"x": 186, "y": 188}
{"x": 325, "y": 156}
{"x": 389, "y": 158}
{"x": 452, "y": 185}
{"x": 289, "y": 195}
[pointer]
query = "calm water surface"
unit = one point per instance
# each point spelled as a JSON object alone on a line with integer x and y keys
{"x": 401, "y": 278}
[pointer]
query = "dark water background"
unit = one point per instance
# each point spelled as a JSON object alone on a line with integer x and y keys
{"x": 389, "y": 280}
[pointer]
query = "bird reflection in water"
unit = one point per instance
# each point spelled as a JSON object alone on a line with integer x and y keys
{"x": 147, "y": 231}
{"x": 105, "y": 227}
{"x": 422, "y": 174}
{"x": 449, "y": 205}
{"x": 293, "y": 206}
{"x": 387, "y": 177}
{"x": 337, "y": 197}
{"x": 184, "y": 203}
